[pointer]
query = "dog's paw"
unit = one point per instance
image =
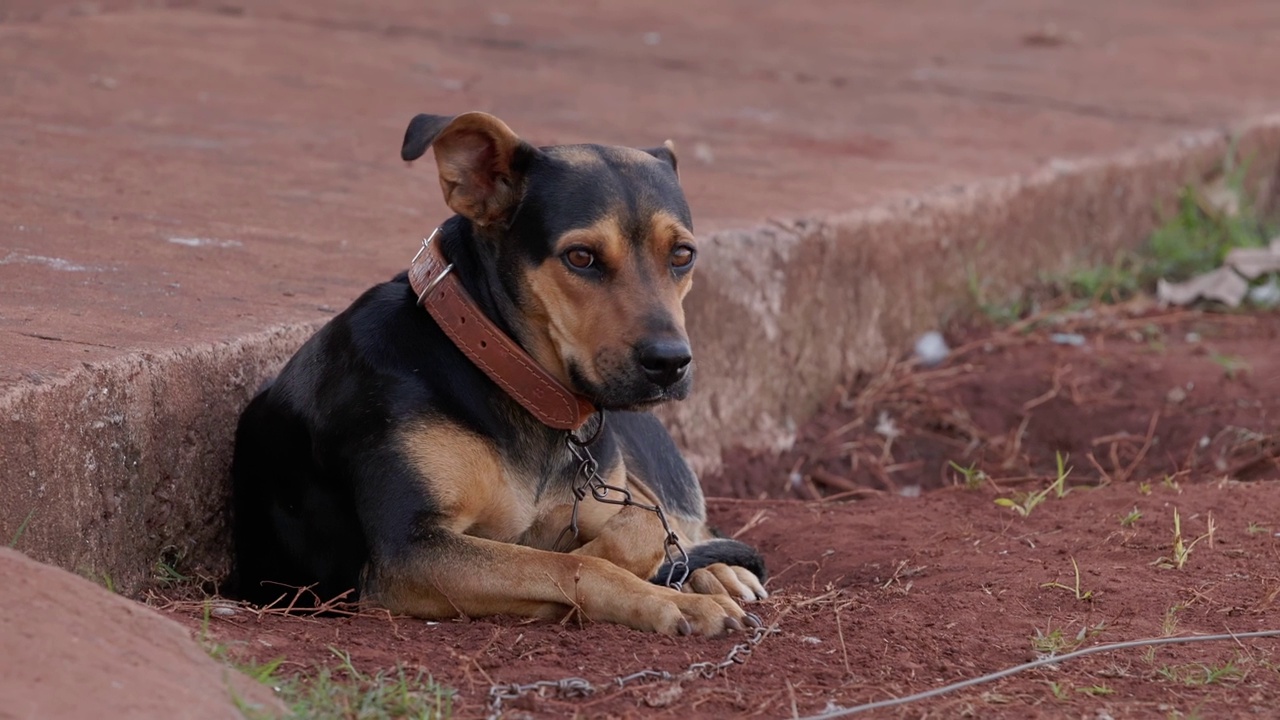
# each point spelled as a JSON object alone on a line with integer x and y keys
{"x": 722, "y": 566}
{"x": 698, "y": 614}
{"x": 721, "y": 579}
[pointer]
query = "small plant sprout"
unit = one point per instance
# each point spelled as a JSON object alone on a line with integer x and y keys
{"x": 1059, "y": 485}
{"x": 1052, "y": 641}
{"x": 1193, "y": 674}
{"x": 1256, "y": 529}
{"x": 1132, "y": 517}
{"x": 1170, "y": 624}
{"x": 973, "y": 477}
{"x": 17, "y": 535}
{"x": 1023, "y": 503}
{"x": 1144, "y": 488}
{"x": 1086, "y": 595}
{"x": 1096, "y": 690}
{"x": 1059, "y": 690}
{"x": 1231, "y": 365}
{"x": 1182, "y": 549}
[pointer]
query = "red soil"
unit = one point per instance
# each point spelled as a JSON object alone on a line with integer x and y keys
{"x": 879, "y": 593}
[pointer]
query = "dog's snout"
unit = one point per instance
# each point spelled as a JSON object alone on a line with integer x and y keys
{"x": 665, "y": 362}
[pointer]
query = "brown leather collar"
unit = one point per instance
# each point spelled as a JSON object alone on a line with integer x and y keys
{"x": 505, "y": 362}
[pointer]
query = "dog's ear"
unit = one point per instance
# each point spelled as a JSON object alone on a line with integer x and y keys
{"x": 667, "y": 154}
{"x": 480, "y": 160}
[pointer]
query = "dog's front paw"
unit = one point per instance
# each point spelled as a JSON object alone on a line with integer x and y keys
{"x": 732, "y": 580}
{"x": 722, "y": 566}
{"x": 698, "y": 614}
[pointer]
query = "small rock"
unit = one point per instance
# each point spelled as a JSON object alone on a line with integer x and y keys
{"x": 1074, "y": 339}
{"x": 886, "y": 427}
{"x": 1192, "y": 338}
{"x": 1175, "y": 396}
{"x": 931, "y": 348}
{"x": 1267, "y": 295}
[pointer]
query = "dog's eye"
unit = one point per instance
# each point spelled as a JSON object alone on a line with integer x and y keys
{"x": 580, "y": 258}
{"x": 682, "y": 256}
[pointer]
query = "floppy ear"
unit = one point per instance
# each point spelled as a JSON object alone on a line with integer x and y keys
{"x": 480, "y": 160}
{"x": 667, "y": 154}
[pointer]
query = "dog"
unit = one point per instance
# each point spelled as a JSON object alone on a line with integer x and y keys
{"x": 473, "y": 437}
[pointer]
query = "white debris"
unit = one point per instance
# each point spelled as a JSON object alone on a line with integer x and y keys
{"x": 931, "y": 348}
{"x": 204, "y": 242}
{"x": 1266, "y": 295}
{"x": 886, "y": 427}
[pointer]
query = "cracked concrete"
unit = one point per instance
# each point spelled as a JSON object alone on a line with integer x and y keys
{"x": 190, "y": 174}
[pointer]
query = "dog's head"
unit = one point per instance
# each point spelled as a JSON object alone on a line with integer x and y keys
{"x": 593, "y": 243}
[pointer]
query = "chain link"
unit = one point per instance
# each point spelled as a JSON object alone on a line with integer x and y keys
{"x": 590, "y": 481}
{"x": 576, "y": 687}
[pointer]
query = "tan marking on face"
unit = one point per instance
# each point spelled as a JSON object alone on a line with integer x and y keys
{"x": 464, "y": 475}
{"x": 578, "y": 320}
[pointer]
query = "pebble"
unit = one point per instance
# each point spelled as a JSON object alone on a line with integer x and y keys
{"x": 931, "y": 348}
{"x": 1266, "y": 296}
{"x": 1075, "y": 339}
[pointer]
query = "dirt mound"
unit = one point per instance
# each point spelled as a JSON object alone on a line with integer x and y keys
{"x": 1121, "y": 398}
{"x": 878, "y": 593}
{"x": 71, "y": 649}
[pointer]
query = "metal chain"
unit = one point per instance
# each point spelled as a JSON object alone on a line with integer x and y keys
{"x": 576, "y": 687}
{"x": 590, "y": 481}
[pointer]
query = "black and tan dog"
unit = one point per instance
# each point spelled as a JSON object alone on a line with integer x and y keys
{"x": 397, "y": 456}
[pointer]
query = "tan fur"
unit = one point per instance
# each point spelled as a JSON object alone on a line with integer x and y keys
{"x": 480, "y": 570}
{"x": 473, "y": 156}
{"x": 475, "y": 577}
{"x": 592, "y": 325}
{"x": 475, "y": 494}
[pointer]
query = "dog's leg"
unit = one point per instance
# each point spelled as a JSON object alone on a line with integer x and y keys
{"x": 633, "y": 538}
{"x": 629, "y": 537}
{"x": 446, "y": 575}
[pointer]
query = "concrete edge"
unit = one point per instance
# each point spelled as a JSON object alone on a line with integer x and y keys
{"x": 122, "y": 463}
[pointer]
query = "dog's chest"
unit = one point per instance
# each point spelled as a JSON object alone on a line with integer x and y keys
{"x": 523, "y": 497}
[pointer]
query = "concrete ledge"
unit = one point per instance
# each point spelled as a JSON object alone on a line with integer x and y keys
{"x": 73, "y": 450}
{"x": 779, "y": 314}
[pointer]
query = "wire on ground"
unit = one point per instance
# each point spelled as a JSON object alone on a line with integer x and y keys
{"x": 1051, "y": 660}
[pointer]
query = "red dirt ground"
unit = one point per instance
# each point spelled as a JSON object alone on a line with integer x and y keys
{"x": 879, "y": 591}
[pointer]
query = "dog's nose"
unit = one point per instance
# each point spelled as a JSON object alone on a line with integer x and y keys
{"x": 665, "y": 362}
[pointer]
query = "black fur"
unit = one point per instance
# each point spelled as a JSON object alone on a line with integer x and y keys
{"x": 320, "y": 489}
{"x": 720, "y": 550}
